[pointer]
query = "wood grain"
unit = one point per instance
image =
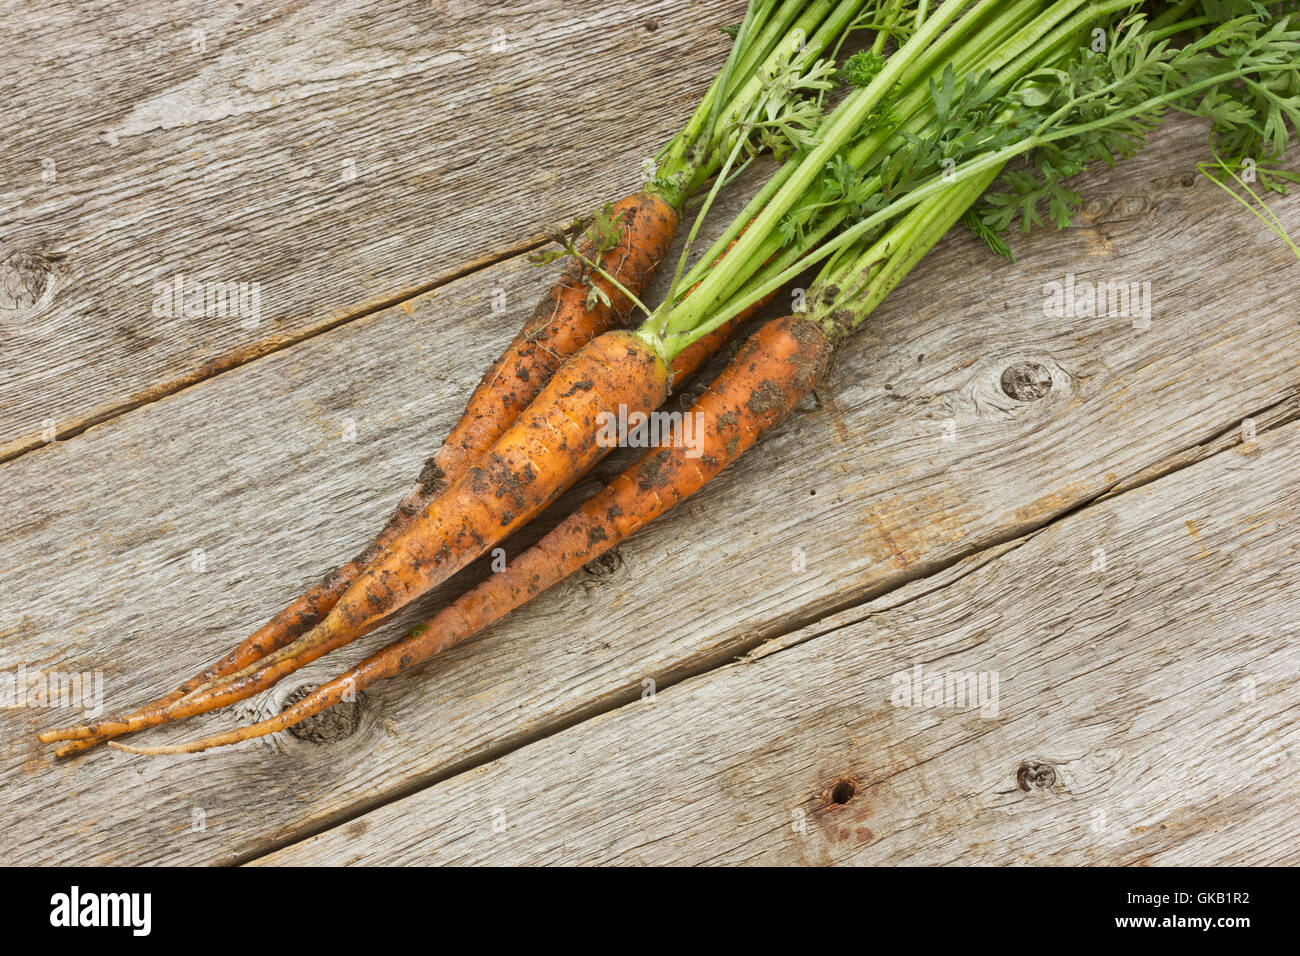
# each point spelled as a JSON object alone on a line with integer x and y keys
{"x": 1130, "y": 709}
{"x": 281, "y": 467}
{"x": 342, "y": 155}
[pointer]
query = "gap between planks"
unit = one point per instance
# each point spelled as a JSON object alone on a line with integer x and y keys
{"x": 238, "y": 359}
{"x": 923, "y": 581}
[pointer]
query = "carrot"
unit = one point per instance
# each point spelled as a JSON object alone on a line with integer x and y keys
{"x": 263, "y": 670}
{"x": 269, "y": 669}
{"x": 561, "y": 324}
{"x": 547, "y": 448}
{"x": 774, "y": 369}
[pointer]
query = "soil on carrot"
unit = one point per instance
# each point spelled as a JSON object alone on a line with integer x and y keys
{"x": 766, "y": 396}
{"x": 841, "y": 324}
{"x": 651, "y": 476}
{"x": 432, "y": 480}
{"x": 494, "y": 477}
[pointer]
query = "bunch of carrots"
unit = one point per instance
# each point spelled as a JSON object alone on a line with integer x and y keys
{"x": 971, "y": 111}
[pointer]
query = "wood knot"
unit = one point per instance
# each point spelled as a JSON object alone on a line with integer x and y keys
{"x": 1027, "y": 381}
{"x": 1094, "y": 208}
{"x": 1129, "y": 207}
{"x": 604, "y": 566}
{"x": 1100, "y": 210}
{"x": 330, "y": 725}
{"x": 1035, "y": 775}
{"x": 26, "y": 285}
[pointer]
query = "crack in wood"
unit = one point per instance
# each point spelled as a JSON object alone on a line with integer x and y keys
{"x": 989, "y": 552}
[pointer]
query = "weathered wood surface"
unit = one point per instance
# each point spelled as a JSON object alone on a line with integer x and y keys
{"x": 145, "y": 546}
{"x": 343, "y": 155}
{"x": 1127, "y": 697}
{"x": 279, "y": 468}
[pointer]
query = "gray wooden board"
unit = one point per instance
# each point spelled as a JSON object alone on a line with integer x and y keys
{"x": 280, "y": 467}
{"x": 342, "y": 155}
{"x": 1127, "y": 695}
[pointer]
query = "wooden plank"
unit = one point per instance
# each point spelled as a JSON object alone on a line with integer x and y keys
{"x": 1140, "y": 709}
{"x": 341, "y": 155}
{"x": 255, "y": 468}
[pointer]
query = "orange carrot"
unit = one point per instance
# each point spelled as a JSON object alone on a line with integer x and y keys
{"x": 775, "y": 368}
{"x": 273, "y": 663}
{"x": 561, "y": 325}
{"x": 270, "y": 668}
{"x": 547, "y": 448}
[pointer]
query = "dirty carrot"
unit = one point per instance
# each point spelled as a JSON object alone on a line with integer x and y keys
{"x": 774, "y": 369}
{"x": 269, "y": 669}
{"x": 785, "y": 353}
{"x": 548, "y": 447}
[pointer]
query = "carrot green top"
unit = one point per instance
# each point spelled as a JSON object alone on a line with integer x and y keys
{"x": 978, "y": 84}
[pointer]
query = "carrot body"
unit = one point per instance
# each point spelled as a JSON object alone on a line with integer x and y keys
{"x": 559, "y": 327}
{"x": 776, "y": 367}
{"x": 267, "y": 669}
{"x": 547, "y": 448}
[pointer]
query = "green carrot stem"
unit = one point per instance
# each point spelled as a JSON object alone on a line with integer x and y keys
{"x": 963, "y": 172}
{"x": 989, "y": 49}
{"x": 701, "y": 150}
{"x": 843, "y": 123}
{"x": 844, "y": 298}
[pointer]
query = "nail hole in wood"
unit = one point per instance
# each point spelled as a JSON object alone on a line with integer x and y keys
{"x": 1035, "y": 775}
{"x": 1026, "y": 381}
{"x": 843, "y": 792}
